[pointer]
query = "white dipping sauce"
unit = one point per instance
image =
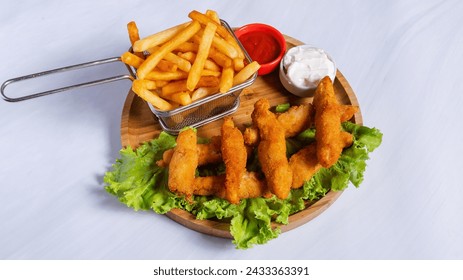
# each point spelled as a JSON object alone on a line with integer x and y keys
{"x": 304, "y": 66}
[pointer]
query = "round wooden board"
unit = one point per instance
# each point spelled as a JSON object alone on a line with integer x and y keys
{"x": 138, "y": 125}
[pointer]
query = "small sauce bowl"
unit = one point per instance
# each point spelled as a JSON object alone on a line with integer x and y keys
{"x": 312, "y": 64}
{"x": 264, "y": 44}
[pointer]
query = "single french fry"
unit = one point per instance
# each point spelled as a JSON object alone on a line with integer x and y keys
{"x": 207, "y": 72}
{"x": 204, "y": 20}
{"x": 166, "y": 66}
{"x": 150, "y": 85}
{"x": 246, "y": 72}
{"x": 175, "y": 86}
{"x": 161, "y": 83}
{"x": 166, "y": 76}
{"x": 196, "y": 39}
{"x": 213, "y": 15}
{"x": 131, "y": 59}
{"x": 203, "y": 92}
{"x": 134, "y": 36}
{"x": 181, "y": 37}
{"x": 190, "y": 56}
{"x": 220, "y": 58}
{"x": 235, "y": 44}
{"x": 133, "y": 32}
{"x": 211, "y": 65}
{"x": 182, "y": 98}
{"x": 201, "y": 56}
{"x": 187, "y": 47}
{"x": 238, "y": 64}
{"x": 182, "y": 63}
{"x": 149, "y": 96}
{"x": 208, "y": 81}
{"x": 224, "y": 47}
{"x": 158, "y": 38}
{"x": 226, "y": 81}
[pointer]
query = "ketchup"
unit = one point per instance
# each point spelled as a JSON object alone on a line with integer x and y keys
{"x": 262, "y": 47}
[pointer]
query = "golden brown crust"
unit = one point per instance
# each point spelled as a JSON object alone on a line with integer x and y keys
{"x": 348, "y": 111}
{"x": 183, "y": 164}
{"x": 272, "y": 150}
{"x": 234, "y": 156}
{"x": 209, "y": 185}
{"x": 210, "y": 152}
{"x": 304, "y": 164}
{"x": 296, "y": 119}
{"x": 293, "y": 121}
{"x": 327, "y": 124}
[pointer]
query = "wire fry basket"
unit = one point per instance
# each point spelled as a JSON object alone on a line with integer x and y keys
{"x": 196, "y": 114}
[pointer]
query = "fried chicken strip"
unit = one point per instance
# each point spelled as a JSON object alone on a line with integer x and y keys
{"x": 234, "y": 156}
{"x": 182, "y": 166}
{"x": 210, "y": 152}
{"x": 304, "y": 164}
{"x": 250, "y": 186}
{"x": 209, "y": 185}
{"x": 296, "y": 119}
{"x": 207, "y": 153}
{"x": 347, "y": 112}
{"x": 329, "y": 137}
{"x": 271, "y": 150}
{"x": 293, "y": 121}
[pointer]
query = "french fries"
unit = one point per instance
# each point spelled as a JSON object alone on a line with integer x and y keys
{"x": 134, "y": 36}
{"x": 226, "y": 81}
{"x": 139, "y": 88}
{"x": 187, "y": 62}
{"x": 246, "y": 72}
{"x": 151, "y": 61}
{"x": 158, "y": 38}
{"x": 131, "y": 59}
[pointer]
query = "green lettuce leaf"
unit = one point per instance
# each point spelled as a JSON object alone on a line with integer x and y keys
{"x": 252, "y": 223}
{"x": 140, "y": 184}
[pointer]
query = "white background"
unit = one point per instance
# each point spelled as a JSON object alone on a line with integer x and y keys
{"x": 402, "y": 58}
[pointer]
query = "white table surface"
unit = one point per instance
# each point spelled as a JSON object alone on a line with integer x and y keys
{"x": 402, "y": 58}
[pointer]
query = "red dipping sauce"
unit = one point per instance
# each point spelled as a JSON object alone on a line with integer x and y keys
{"x": 261, "y": 47}
{"x": 264, "y": 44}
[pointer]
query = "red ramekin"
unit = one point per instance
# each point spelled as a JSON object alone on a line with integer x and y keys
{"x": 268, "y": 67}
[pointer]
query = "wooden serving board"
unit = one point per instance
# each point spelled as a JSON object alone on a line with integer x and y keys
{"x": 138, "y": 125}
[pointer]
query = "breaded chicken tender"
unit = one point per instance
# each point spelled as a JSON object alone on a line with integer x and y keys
{"x": 348, "y": 111}
{"x": 207, "y": 153}
{"x": 182, "y": 166}
{"x": 329, "y": 137}
{"x": 250, "y": 186}
{"x": 209, "y": 185}
{"x": 304, "y": 164}
{"x": 234, "y": 156}
{"x": 293, "y": 121}
{"x": 210, "y": 152}
{"x": 251, "y": 135}
{"x": 271, "y": 150}
{"x": 296, "y": 119}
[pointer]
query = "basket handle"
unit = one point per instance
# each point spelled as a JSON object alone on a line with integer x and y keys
{"x": 131, "y": 75}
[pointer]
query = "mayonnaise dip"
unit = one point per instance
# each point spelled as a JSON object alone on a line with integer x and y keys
{"x": 304, "y": 66}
